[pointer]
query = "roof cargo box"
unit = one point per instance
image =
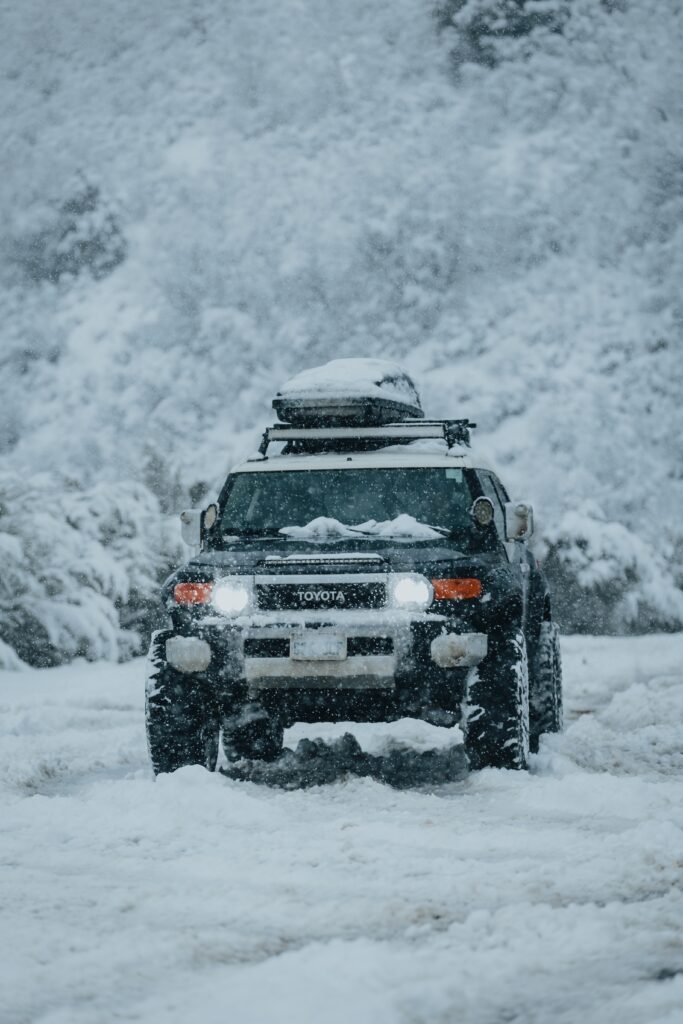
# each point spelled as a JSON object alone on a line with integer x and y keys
{"x": 349, "y": 392}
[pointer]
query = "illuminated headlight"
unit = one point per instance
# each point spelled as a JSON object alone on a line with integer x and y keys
{"x": 232, "y": 596}
{"x": 411, "y": 591}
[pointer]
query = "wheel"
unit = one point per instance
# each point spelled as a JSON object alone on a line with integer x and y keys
{"x": 252, "y": 733}
{"x": 182, "y": 720}
{"x": 545, "y": 685}
{"x": 497, "y": 706}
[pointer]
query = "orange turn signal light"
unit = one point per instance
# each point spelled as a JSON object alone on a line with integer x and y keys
{"x": 456, "y": 590}
{"x": 192, "y": 593}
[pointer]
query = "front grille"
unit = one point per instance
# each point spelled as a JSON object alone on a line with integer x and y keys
{"x": 306, "y": 596}
{"x": 364, "y": 646}
{"x": 267, "y": 647}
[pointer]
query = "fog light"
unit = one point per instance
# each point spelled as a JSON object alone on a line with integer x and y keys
{"x": 459, "y": 650}
{"x": 188, "y": 653}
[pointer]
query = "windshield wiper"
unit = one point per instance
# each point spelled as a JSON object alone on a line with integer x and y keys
{"x": 266, "y": 531}
{"x": 440, "y": 529}
{"x": 373, "y": 533}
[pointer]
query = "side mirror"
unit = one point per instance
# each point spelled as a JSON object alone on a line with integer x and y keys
{"x": 191, "y": 527}
{"x": 519, "y": 520}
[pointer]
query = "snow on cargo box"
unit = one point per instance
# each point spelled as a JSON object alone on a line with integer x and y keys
{"x": 349, "y": 392}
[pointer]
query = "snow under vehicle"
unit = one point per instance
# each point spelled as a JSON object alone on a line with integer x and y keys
{"x": 364, "y": 566}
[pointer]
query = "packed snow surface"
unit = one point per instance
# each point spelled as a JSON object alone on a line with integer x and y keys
{"x": 316, "y": 895}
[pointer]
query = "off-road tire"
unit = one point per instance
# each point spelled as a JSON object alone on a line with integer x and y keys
{"x": 253, "y": 734}
{"x": 545, "y": 685}
{"x": 183, "y": 724}
{"x": 496, "y": 719}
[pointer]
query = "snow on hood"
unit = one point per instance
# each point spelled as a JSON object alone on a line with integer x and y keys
{"x": 323, "y": 528}
{"x": 358, "y": 378}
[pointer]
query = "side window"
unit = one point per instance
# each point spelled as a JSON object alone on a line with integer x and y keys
{"x": 489, "y": 489}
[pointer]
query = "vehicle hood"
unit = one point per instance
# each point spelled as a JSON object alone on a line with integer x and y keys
{"x": 251, "y": 556}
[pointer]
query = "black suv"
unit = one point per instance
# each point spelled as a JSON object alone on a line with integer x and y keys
{"x": 362, "y": 573}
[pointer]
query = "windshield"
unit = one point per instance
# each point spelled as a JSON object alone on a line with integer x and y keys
{"x": 392, "y": 502}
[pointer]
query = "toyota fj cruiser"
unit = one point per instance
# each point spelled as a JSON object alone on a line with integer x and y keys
{"x": 364, "y": 566}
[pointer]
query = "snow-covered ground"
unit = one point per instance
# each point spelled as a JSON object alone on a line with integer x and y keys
{"x": 548, "y": 897}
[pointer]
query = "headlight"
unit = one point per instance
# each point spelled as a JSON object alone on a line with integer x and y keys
{"x": 232, "y": 596}
{"x": 411, "y": 591}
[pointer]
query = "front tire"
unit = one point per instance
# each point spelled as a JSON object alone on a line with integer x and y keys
{"x": 182, "y": 719}
{"x": 497, "y": 706}
{"x": 546, "y": 685}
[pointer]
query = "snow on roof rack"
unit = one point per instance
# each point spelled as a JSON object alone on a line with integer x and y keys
{"x": 309, "y": 440}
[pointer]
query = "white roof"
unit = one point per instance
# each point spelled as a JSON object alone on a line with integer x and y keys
{"x": 390, "y": 458}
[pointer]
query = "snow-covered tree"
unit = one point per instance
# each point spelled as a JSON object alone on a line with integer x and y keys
{"x": 483, "y": 25}
{"x": 72, "y": 561}
{"x": 185, "y": 224}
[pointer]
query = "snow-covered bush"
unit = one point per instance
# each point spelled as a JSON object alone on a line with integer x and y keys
{"x": 72, "y": 562}
{"x": 482, "y": 26}
{"x": 515, "y": 237}
{"x": 606, "y": 579}
{"x": 487, "y": 32}
{"x": 82, "y": 233}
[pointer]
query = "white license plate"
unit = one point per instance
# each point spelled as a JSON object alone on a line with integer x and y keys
{"x": 318, "y": 646}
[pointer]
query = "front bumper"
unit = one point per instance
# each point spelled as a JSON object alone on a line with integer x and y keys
{"x": 358, "y": 673}
{"x": 379, "y": 649}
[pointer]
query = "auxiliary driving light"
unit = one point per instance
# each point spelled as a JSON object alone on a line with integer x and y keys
{"x": 482, "y": 511}
{"x": 411, "y": 591}
{"x": 231, "y": 596}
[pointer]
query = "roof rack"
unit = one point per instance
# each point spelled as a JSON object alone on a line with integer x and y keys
{"x": 300, "y": 440}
